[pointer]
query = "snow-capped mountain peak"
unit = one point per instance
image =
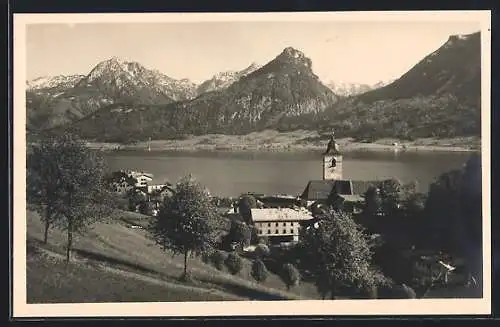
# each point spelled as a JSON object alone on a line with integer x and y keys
{"x": 350, "y": 89}
{"x": 51, "y": 82}
{"x": 224, "y": 79}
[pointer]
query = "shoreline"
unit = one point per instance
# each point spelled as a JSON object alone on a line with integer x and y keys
{"x": 297, "y": 141}
{"x": 352, "y": 147}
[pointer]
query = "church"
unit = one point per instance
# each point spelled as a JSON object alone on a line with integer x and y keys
{"x": 333, "y": 186}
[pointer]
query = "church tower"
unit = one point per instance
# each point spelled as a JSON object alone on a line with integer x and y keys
{"x": 332, "y": 161}
{"x": 332, "y": 166}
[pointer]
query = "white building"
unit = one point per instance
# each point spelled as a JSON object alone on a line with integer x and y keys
{"x": 280, "y": 225}
{"x": 142, "y": 178}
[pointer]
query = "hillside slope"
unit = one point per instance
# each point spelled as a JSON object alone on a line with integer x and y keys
{"x": 439, "y": 97}
{"x": 117, "y": 246}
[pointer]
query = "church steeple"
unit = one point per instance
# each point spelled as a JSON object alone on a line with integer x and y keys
{"x": 332, "y": 161}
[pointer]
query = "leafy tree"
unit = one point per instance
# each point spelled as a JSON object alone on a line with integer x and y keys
{"x": 290, "y": 275}
{"x": 42, "y": 176}
{"x": 218, "y": 258}
{"x": 470, "y": 230}
{"x": 79, "y": 196}
{"x": 262, "y": 251}
{"x": 373, "y": 202}
{"x": 187, "y": 222}
{"x": 336, "y": 253}
{"x": 390, "y": 194}
{"x": 442, "y": 212}
{"x": 245, "y": 205}
{"x": 259, "y": 271}
{"x": 239, "y": 233}
{"x": 234, "y": 263}
{"x": 134, "y": 198}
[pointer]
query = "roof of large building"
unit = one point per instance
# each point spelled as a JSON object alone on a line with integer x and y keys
{"x": 322, "y": 189}
{"x": 280, "y": 214}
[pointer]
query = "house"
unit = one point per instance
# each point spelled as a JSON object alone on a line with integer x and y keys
{"x": 119, "y": 182}
{"x": 351, "y": 192}
{"x": 280, "y": 225}
{"x": 142, "y": 178}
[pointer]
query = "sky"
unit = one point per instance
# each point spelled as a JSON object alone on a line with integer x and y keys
{"x": 342, "y": 52}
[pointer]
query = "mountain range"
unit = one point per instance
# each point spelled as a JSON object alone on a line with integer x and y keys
{"x": 124, "y": 101}
{"x": 344, "y": 89}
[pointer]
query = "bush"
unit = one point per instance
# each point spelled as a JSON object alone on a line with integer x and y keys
{"x": 259, "y": 271}
{"x": 290, "y": 275}
{"x": 218, "y": 257}
{"x": 206, "y": 256}
{"x": 234, "y": 263}
{"x": 262, "y": 251}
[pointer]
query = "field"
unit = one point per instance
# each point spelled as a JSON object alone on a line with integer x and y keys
{"x": 130, "y": 264}
{"x": 300, "y": 140}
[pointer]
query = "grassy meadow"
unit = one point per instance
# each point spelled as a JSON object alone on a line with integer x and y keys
{"x": 129, "y": 263}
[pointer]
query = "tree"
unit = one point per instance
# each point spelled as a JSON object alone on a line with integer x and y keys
{"x": 234, "y": 263}
{"x": 470, "y": 231}
{"x": 42, "y": 189}
{"x": 262, "y": 251}
{"x": 240, "y": 233}
{"x": 290, "y": 275}
{"x": 134, "y": 198}
{"x": 373, "y": 202}
{"x": 218, "y": 258}
{"x": 80, "y": 195}
{"x": 442, "y": 212}
{"x": 187, "y": 222}
{"x": 245, "y": 205}
{"x": 259, "y": 271}
{"x": 390, "y": 194}
{"x": 336, "y": 253}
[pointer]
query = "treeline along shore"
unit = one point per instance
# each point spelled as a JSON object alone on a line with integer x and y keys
{"x": 293, "y": 141}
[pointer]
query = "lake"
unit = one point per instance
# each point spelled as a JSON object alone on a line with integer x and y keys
{"x": 230, "y": 173}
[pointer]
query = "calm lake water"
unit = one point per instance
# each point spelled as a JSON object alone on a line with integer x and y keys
{"x": 230, "y": 173}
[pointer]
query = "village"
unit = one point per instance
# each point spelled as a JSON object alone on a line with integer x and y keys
{"x": 275, "y": 219}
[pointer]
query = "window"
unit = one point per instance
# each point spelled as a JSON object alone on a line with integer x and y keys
{"x": 291, "y": 231}
{"x": 284, "y": 224}
{"x": 284, "y": 231}
{"x": 291, "y": 224}
{"x": 269, "y": 231}
{"x": 276, "y": 224}
{"x": 276, "y": 232}
{"x": 269, "y": 225}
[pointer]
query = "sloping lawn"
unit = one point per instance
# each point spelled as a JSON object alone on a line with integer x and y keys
{"x": 131, "y": 249}
{"x": 50, "y": 280}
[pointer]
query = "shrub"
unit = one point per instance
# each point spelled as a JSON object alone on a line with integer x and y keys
{"x": 206, "y": 256}
{"x": 262, "y": 251}
{"x": 234, "y": 263}
{"x": 290, "y": 275}
{"x": 218, "y": 257}
{"x": 259, "y": 271}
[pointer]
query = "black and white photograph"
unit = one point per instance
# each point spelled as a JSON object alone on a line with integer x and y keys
{"x": 220, "y": 164}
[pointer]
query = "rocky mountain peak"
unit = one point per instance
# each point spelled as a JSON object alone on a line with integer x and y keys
{"x": 294, "y": 56}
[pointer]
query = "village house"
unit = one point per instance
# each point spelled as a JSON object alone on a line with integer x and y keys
{"x": 280, "y": 225}
{"x": 142, "y": 178}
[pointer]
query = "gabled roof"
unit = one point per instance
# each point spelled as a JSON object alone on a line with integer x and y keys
{"x": 282, "y": 214}
{"x": 322, "y": 189}
{"x": 318, "y": 190}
